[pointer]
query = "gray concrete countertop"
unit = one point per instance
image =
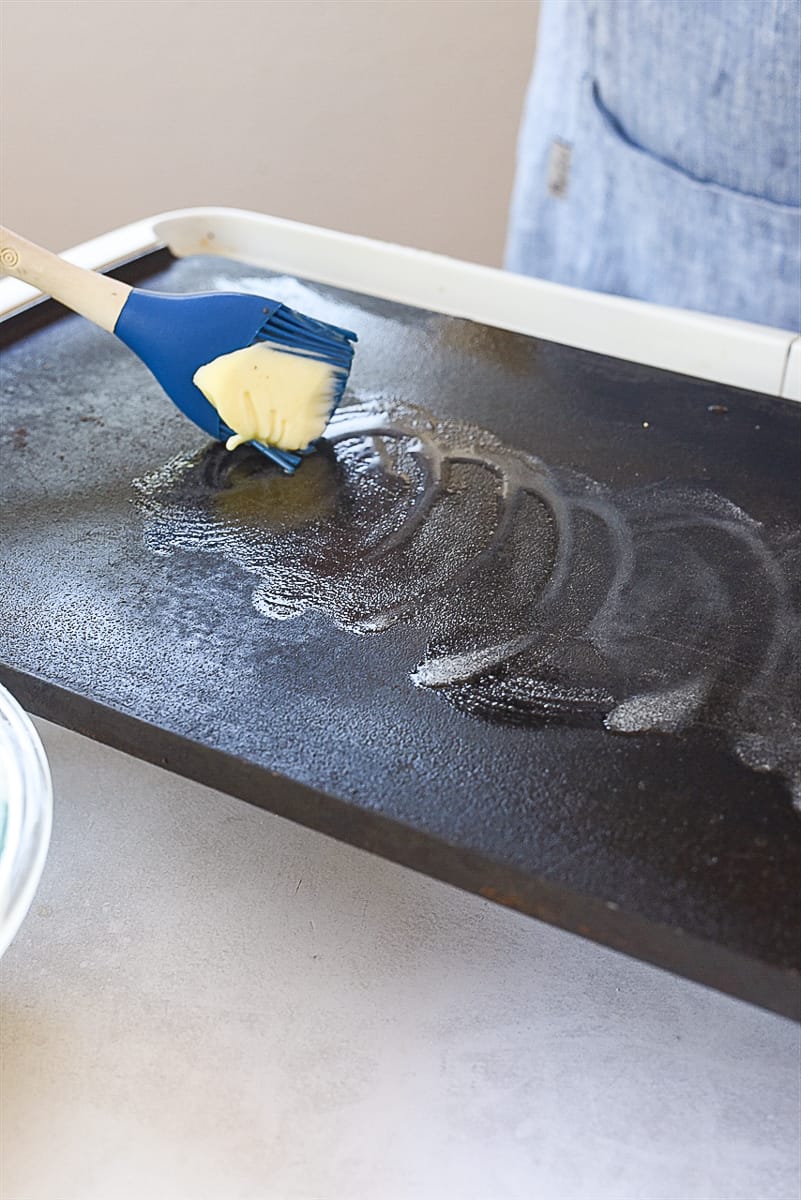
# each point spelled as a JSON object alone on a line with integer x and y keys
{"x": 207, "y": 1002}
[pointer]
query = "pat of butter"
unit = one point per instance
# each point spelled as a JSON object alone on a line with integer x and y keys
{"x": 267, "y": 394}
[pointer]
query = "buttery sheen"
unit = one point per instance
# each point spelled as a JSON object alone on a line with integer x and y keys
{"x": 270, "y": 395}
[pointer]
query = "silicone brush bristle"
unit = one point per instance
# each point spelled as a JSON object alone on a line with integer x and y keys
{"x": 295, "y": 332}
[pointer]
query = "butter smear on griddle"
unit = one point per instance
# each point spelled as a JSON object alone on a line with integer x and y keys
{"x": 271, "y": 395}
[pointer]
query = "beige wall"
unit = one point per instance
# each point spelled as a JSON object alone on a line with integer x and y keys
{"x": 392, "y": 118}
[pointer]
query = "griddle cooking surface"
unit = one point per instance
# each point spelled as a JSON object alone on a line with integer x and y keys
{"x": 526, "y": 624}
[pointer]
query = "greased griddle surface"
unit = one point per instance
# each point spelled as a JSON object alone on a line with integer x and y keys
{"x": 526, "y": 623}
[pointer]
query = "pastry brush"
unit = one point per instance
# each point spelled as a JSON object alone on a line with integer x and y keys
{"x": 175, "y": 335}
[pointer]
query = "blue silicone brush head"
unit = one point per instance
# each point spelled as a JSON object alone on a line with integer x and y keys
{"x": 175, "y": 335}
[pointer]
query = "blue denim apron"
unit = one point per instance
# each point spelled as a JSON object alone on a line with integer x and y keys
{"x": 660, "y": 154}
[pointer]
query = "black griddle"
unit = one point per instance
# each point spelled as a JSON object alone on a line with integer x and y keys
{"x": 663, "y": 845}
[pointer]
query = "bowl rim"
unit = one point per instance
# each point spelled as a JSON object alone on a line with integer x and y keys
{"x": 29, "y": 815}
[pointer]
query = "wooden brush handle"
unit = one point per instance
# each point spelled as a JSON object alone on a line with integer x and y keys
{"x": 94, "y": 296}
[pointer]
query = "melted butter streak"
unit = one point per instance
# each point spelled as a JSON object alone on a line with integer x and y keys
{"x": 543, "y": 595}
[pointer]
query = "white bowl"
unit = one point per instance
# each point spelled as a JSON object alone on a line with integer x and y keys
{"x": 26, "y": 815}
